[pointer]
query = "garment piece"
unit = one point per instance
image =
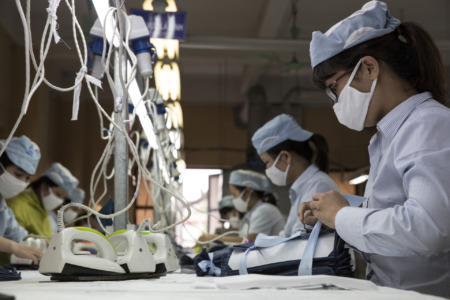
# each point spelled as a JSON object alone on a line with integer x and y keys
{"x": 9, "y": 274}
{"x": 262, "y": 218}
{"x": 310, "y": 182}
{"x": 405, "y": 229}
{"x": 330, "y": 258}
{"x": 30, "y": 214}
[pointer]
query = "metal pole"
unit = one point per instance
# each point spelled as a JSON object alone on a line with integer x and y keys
{"x": 120, "y": 148}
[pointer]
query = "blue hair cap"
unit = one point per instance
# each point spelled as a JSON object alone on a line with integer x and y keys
{"x": 371, "y": 21}
{"x": 281, "y": 128}
{"x": 23, "y": 152}
{"x": 62, "y": 177}
{"x": 251, "y": 179}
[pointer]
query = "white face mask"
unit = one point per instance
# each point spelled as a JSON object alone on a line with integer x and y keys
{"x": 352, "y": 105}
{"x": 69, "y": 215}
{"x": 51, "y": 201}
{"x": 275, "y": 175}
{"x": 10, "y": 186}
{"x": 240, "y": 204}
{"x": 234, "y": 220}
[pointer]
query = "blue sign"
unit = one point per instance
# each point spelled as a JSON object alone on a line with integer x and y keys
{"x": 169, "y": 25}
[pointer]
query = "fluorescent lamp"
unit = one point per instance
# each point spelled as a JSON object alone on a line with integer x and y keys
{"x": 359, "y": 179}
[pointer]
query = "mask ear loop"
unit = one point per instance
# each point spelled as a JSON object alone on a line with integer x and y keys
{"x": 352, "y": 76}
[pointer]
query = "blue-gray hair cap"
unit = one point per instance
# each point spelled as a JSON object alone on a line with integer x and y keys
{"x": 281, "y": 128}
{"x": 371, "y": 21}
{"x": 62, "y": 177}
{"x": 77, "y": 195}
{"x": 253, "y": 180}
{"x": 226, "y": 202}
{"x": 23, "y": 152}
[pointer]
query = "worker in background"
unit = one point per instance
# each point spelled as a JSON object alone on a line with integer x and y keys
{"x": 71, "y": 213}
{"x": 32, "y": 206}
{"x": 228, "y": 212}
{"x": 285, "y": 149}
{"x": 380, "y": 72}
{"x": 17, "y": 164}
{"x": 253, "y": 196}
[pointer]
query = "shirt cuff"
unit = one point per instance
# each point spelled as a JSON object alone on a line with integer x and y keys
{"x": 348, "y": 223}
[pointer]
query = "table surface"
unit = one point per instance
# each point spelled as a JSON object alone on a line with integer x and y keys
{"x": 188, "y": 286}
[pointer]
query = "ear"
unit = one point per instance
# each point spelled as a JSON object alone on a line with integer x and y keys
{"x": 285, "y": 156}
{"x": 371, "y": 67}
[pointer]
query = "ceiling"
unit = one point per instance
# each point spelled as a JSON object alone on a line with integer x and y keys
{"x": 232, "y": 45}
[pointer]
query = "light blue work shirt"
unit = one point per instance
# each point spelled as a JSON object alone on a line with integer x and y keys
{"x": 262, "y": 218}
{"x": 9, "y": 228}
{"x": 405, "y": 225}
{"x": 311, "y": 181}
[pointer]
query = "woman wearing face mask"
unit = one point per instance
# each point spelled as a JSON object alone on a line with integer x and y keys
{"x": 285, "y": 148}
{"x": 384, "y": 73}
{"x": 17, "y": 164}
{"x": 228, "y": 212}
{"x": 253, "y": 196}
{"x": 32, "y": 206}
{"x": 70, "y": 214}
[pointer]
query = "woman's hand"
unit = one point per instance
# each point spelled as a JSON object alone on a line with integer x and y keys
{"x": 324, "y": 206}
{"x": 23, "y": 251}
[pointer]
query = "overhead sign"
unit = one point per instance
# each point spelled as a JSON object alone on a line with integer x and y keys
{"x": 169, "y": 25}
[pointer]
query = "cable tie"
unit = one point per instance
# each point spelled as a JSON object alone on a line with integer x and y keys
{"x": 51, "y": 10}
{"x": 76, "y": 93}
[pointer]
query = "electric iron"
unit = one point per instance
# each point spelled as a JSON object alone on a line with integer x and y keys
{"x": 60, "y": 262}
{"x": 133, "y": 254}
{"x": 162, "y": 249}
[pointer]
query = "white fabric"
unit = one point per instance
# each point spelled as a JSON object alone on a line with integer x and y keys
{"x": 406, "y": 222}
{"x": 310, "y": 182}
{"x": 282, "y": 252}
{"x": 177, "y": 286}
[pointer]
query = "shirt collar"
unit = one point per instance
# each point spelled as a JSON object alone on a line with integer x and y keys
{"x": 303, "y": 178}
{"x": 391, "y": 122}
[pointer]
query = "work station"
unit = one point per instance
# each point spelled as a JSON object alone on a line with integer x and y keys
{"x": 198, "y": 149}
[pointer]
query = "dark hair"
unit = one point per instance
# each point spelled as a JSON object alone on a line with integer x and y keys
{"x": 265, "y": 197}
{"x": 305, "y": 150}
{"x": 409, "y": 51}
{"x": 36, "y": 185}
{"x": 5, "y": 161}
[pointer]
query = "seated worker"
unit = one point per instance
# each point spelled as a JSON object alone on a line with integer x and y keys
{"x": 49, "y": 191}
{"x": 285, "y": 149}
{"x": 17, "y": 164}
{"x": 228, "y": 212}
{"x": 253, "y": 196}
{"x": 391, "y": 75}
{"x": 70, "y": 214}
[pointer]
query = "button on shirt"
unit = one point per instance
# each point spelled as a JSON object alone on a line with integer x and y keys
{"x": 9, "y": 227}
{"x": 405, "y": 228}
{"x": 311, "y": 181}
